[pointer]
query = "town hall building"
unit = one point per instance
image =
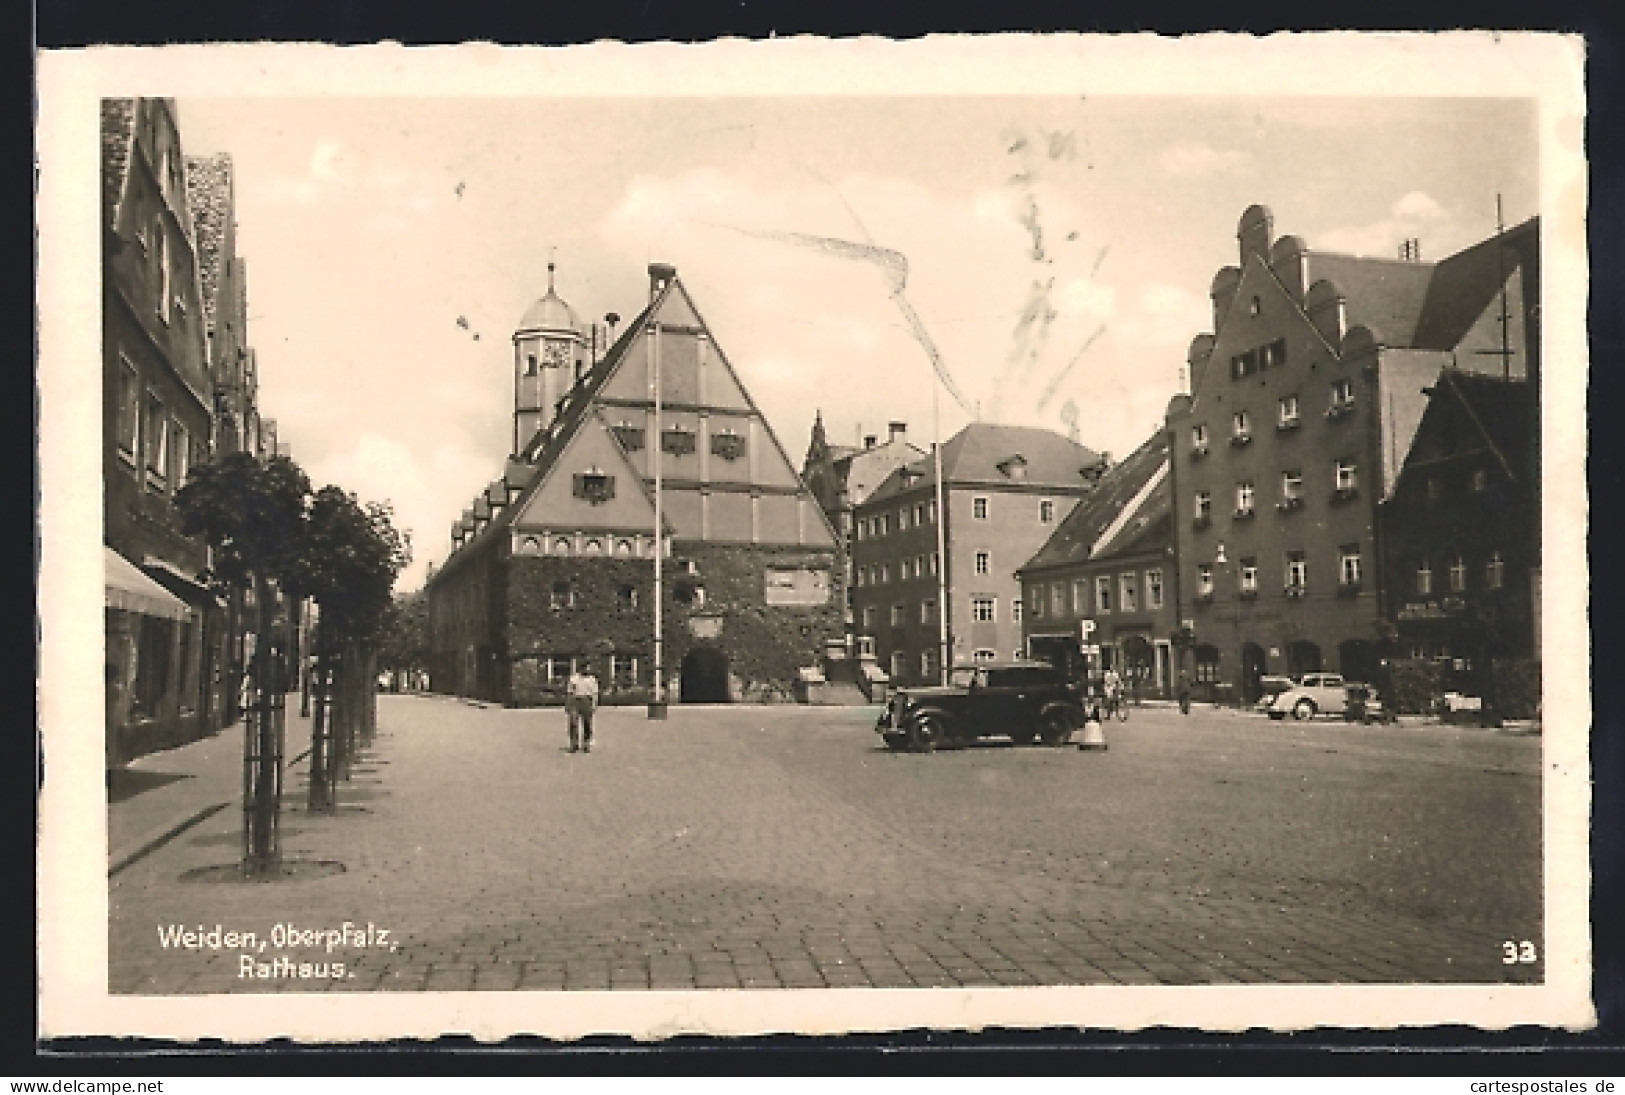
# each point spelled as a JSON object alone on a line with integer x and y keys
{"x": 552, "y": 566}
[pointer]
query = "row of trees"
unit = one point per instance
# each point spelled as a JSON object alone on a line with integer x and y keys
{"x": 270, "y": 534}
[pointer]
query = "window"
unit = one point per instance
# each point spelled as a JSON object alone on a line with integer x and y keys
{"x": 160, "y": 253}
{"x": 1434, "y": 489}
{"x": 1153, "y": 589}
{"x": 1204, "y": 579}
{"x": 978, "y": 508}
{"x": 1458, "y": 576}
{"x": 935, "y": 563}
{"x": 1207, "y": 665}
{"x": 530, "y": 364}
{"x": 156, "y": 435}
{"x": 1272, "y": 356}
{"x": 623, "y": 547}
{"x": 919, "y": 513}
{"x": 1240, "y": 428}
{"x": 1342, "y": 398}
{"x": 1249, "y": 575}
{"x": 1204, "y": 507}
{"x": 1057, "y": 599}
{"x": 129, "y": 409}
{"x": 561, "y": 546}
{"x": 863, "y": 528}
{"x": 593, "y": 547}
{"x": 902, "y": 518}
{"x": 1481, "y": 480}
{"x": 905, "y": 570}
{"x": 1103, "y": 594}
{"x": 1495, "y": 571}
{"x": 558, "y": 667}
{"x": 984, "y": 562}
{"x": 1015, "y": 610}
{"x": 627, "y": 596}
{"x": 928, "y": 612}
{"x": 869, "y": 615}
{"x": 931, "y": 511}
{"x": 1128, "y": 594}
{"x": 899, "y": 615}
{"x": 919, "y": 566}
{"x": 1291, "y": 489}
{"x": 1424, "y": 578}
{"x": 863, "y": 576}
{"x": 983, "y": 656}
{"x": 563, "y": 596}
{"x": 1244, "y": 499}
{"x": 866, "y": 646}
{"x": 1046, "y": 510}
{"x": 182, "y": 462}
{"x": 885, "y": 573}
{"x": 1297, "y": 570}
{"x": 1080, "y": 597}
{"x": 884, "y": 521}
{"x": 1199, "y": 439}
{"x": 983, "y": 610}
{"x": 928, "y": 663}
{"x": 1346, "y": 479}
{"x": 1348, "y": 564}
{"x": 1287, "y": 412}
{"x": 1035, "y": 597}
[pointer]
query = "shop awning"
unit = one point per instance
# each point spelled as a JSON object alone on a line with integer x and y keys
{"x": 181, "y": 584}
{"x": 129, "y": 590}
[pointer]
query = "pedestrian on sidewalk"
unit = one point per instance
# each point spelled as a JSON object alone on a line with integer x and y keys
{"x": 1184, "y": 692}
{"x": 580, "y": 698}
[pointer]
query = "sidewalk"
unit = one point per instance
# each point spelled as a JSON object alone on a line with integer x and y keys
{"x": 157, "y": 797}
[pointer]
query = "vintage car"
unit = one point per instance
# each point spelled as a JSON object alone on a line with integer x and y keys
{"x": 1314, "y": 694}
{"x": 1024, "y": 701}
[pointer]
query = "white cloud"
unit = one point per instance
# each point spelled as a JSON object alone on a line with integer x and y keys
{"x": 1168, "y": 315}
{"x": 1416, "y": 214}
{"x": 1191, "y": 159}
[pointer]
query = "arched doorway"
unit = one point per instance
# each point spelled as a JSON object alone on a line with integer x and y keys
{"x": 1357, "y": 660}
{"x": 1302, "y": 657}
{"x": 704, "y": 676}
{"x": 1136, "y": 669}
{"x": 1252, "y": 673}
{"x": 1207, "y": 670}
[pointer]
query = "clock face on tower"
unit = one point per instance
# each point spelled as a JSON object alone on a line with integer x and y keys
{"x": 555, "y": 354}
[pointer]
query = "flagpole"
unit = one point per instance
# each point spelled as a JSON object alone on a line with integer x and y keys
{"x": 942, "y": 538}
{"x": 657, "y": 698}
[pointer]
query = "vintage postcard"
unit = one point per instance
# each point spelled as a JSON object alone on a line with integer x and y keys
{"x": 809, "y": 536}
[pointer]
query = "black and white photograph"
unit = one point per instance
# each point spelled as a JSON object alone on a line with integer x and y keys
{"x": 814, "y": 537}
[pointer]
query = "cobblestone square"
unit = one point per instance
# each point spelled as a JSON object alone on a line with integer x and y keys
{"x": 782, "y": 846}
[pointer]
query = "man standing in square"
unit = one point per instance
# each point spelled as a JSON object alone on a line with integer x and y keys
{"x": 580, "y": 698}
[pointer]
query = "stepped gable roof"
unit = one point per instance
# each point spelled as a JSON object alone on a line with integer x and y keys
{"x": 1385, "y": 295}
{"x": 208, "y": 194}
{"x": 1123, "y": 484}
{"x": 974, "y": 456}
{"x": 117, "y": 138}
{"x": 1465, "y": 284}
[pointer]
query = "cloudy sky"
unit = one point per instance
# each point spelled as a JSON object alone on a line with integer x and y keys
{"x": 1059, "y": 249}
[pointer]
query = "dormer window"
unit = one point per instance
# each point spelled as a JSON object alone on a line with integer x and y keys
{"x": 678, "y": 441}
{"x": 1015, "y": 467}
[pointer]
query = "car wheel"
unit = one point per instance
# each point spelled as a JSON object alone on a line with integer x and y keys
{"x": 1058, "y": 726}
{"x": 1303, "y": 709}
{"x": 1276, "y": 715}
{"x": 926, "y": 733}
{"x": 895, "y": 742}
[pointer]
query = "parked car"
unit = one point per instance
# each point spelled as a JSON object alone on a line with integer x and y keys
{"x": 1364, "y": 705}
{"x": 1269, "y": 687}
{"x": 1314, "y": 694}
{"x": 1024, "y": 701}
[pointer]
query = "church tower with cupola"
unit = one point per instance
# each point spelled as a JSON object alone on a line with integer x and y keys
{"x": 548, "y": 358}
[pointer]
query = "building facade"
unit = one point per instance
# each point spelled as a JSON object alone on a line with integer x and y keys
{"x": 1302, "y": 407}
{"x": 552, "y": 564}
{"x": 165, "y": 681}
{"x": 1461, "y": 531}
{"x": 1099, "y": 593}
{"x": 1005, "y": 488}
{"x": 841, "y": 477}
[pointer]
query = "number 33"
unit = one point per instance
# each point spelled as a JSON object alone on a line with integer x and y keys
{"x": 1515, "y": 953}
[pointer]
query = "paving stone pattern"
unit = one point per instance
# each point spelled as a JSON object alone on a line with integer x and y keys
{"x": 767, "y": 847}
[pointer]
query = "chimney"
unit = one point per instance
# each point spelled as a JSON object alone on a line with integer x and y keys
{"x": 895, "y": 431}
{"x": 869, "y": 441}
{"x": 1410, "y": 250}
{"x": 610, "y": 320}
{"x": 660, "y": 275}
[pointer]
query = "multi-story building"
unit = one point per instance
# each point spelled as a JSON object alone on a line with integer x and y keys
{"x": 164, "y": 685}
{"x": 1099, "y": 593}
{"x": 842, "y": 477}
{"x": 1461, "y": 531}
{"x": 552, "y": 565}
{"x": 1302, "y": 406}
{"x": 1005, "y": 488}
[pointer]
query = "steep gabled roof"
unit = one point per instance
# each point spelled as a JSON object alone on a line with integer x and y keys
{"x": 1464, "y": 285}
{"x": 1385, "y": 295}
{"x": 1123, "y": 512}
{"x": 985, "y": 453}
{"x": 1497, "y": 413}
